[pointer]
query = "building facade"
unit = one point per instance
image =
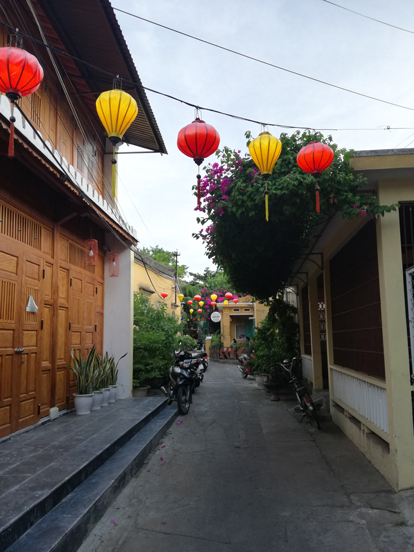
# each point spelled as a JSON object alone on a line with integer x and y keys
{"x": 55, "y": 194}
{"x": 152, "y": 278}
{"x": 355, "y": 291}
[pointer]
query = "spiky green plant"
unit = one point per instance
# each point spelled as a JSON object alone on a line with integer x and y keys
{"x": 83, "y": 370}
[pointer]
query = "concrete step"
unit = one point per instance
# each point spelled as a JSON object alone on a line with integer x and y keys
{"x": 42, "y": 467}
{"x": 67, "y": 525}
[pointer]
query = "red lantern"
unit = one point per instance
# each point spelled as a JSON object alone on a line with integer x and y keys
{"x": 229, "y": 295}
{"x": 189, "y": 302}
{"x": 20, "y": 75}
{"x": 113, "y": 265}
{"x": 197, "y": 297}
{"x": 235, "y": 300}
{"x": 198, "y": 140}
{"x": 91, "y": 252}
{"x": 315, "y": 158}
{"x": 213, "y": 303}
{"x": 164, "y": 294}
{"x": 199, "y": 311}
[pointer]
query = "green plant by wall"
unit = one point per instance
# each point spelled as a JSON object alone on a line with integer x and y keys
{"x": 155, "y": 339}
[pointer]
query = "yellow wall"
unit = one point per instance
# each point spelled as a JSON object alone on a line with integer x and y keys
{"x": 158, "y": 283}
{"x": 228, "y": 322}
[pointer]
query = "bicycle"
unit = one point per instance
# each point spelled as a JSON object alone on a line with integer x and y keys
{"x": 306, "y": 404}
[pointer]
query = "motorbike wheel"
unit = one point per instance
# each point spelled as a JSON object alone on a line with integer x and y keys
{"x": 244, "y": 374}
{"x": 184, "y": 399}
{"x": 312, "y": 414}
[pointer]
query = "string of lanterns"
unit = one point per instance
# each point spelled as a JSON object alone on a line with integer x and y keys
{"x": 200, "y": 140}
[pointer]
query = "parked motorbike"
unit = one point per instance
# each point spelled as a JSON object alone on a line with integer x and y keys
{"x": 185, "y": 376}
{"x": 244, "y": 365}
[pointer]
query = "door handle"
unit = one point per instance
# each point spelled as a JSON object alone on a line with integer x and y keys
{"x": 19, "y": 351}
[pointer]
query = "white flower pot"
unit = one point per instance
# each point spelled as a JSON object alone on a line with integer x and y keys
{"x": 112, "y": 395}
{"x": 260, "y": 381}
{"x": 106, "y": 393}
{"x": 83, "y": 404}
{"x": 97, "y": 400}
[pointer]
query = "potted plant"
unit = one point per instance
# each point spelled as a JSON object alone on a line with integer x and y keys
{"x": 104, "y": 379}
{"x": 113, "y": 377}
{"x": 97, "y": 391}
{"x": 83, "y": 370}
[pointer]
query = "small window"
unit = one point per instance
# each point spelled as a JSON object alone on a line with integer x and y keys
{"x": 236, "y": 310}
{"x": 240, "y": 331}
{"x": 247, "y": 310}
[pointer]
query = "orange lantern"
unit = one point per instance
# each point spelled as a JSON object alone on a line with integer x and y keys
{"x": 229, "y": 295}
{"x": 199, "y": 311}
{"x": 189, "y": 302}
{"x": 197, "y": 297}
{"x": 164, "y": 294}
{"x": 235, "y": 300}
{"x": 213, "y": 303}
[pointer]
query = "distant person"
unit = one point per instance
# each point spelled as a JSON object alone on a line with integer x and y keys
{"x": 234, "y": 342}
{"x": 248, "y": 342}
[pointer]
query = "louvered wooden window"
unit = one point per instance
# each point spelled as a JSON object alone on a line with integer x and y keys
{"x": 16, "y": 226}
{"x": 77, "y": 257}
{"x": 7, "y": 300}
{"x": 36, "y": 106}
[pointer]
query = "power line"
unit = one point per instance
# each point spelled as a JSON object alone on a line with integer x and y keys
{"x": 279, "y": 125}
{"x": 366, "y": 17}
{"x": 261, "y": 61}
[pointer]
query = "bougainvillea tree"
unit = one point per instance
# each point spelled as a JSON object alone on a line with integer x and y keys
{"x": 257, "y": 255}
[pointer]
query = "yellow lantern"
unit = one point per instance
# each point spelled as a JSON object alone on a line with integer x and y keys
{"x": 201, "y": 303}
{"x": 191, "y": 310}
{"x": 116, "y": 110}
{"x": 213, "y": 297}
{"x": 226, "y": 302}
{"x": 180, "y": 296}
{"x": 265, "y": 151}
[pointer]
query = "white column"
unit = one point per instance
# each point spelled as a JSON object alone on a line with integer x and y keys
{"x": 118, "y": 314}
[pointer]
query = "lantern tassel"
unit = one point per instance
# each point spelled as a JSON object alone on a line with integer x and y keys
{"x": 10, "y": 152}
{"x": 198, "y": 191}
{"x": 114, "y": 183}
{"x": 318, "y": 207}
{"x": 267, "y": 204}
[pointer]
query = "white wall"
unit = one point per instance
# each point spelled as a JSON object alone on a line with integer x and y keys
{"x": 118, "y": 314}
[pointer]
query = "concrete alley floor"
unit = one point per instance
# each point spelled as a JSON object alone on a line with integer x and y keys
{"x": 240, "y": 474}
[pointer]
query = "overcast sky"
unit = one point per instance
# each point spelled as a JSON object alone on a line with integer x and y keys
{"x": 311, "y": 37}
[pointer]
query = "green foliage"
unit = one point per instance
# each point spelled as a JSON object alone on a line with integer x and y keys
{"x": 164, "y": 257}
{"x": 186, "y": 342}
{"x": 155, "y": 333}
{"x": 277, "y": 336}
{"x": 216, "y": 340}
{"x": 257, "y": 255}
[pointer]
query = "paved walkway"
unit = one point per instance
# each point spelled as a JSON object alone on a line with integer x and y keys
{"x": 239, "y": 474}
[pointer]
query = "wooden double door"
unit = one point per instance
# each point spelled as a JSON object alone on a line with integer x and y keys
{"x": 35, "y": 347}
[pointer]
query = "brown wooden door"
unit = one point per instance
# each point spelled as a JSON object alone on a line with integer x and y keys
{"x": 21, "y": 276}
{"x": 29, "y": 363}
{"x": 10, "y": 284}
{"x": 62, "y": 342}
{"x": 76, "y": 323}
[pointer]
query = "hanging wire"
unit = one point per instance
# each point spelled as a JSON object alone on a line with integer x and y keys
{"x": 218, "y": 112}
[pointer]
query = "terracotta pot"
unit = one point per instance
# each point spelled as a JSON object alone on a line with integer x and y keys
{"x": 97, "y": 400}
{"x": 141, "y": 391}
{"x": 83, "y": 404}
{"x": 260, "y": 381}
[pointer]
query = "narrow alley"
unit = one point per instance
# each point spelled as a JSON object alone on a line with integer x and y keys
{"x": 240, "y": 474}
